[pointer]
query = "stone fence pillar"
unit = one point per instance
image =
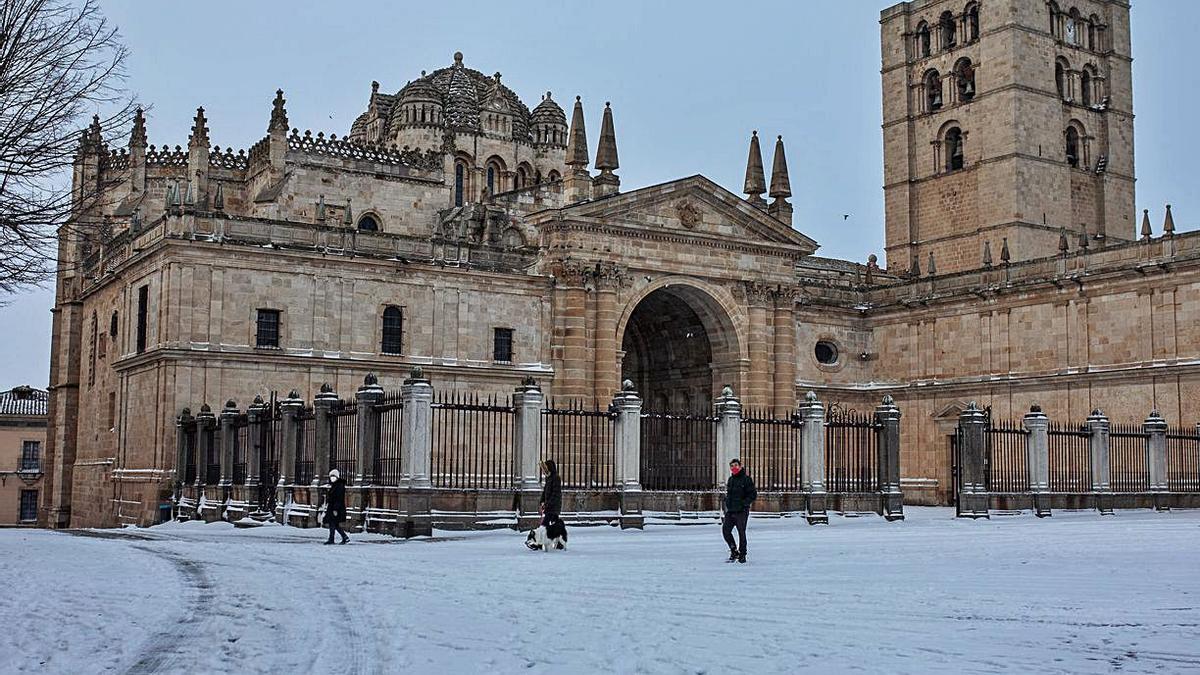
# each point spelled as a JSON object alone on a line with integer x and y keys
{"x": 887, "y": 421}
{"x": 528, "y": 401}
{"x": 812, "y": 458}
{"x": 416, "y": 456}
{"x": 322, "y": 405}
{"x": 1037, "y": 449}
{"x": 973, "y": 498}
{"x": 729, "y": 434}
{"x": 1156, "y": 456}
{"x": 256, "y": 431}
{"x": 184, "y": 431}
{"x": 369, "y": 395}
{"x": 289, "y": 409}
{"x": 228, "y": 422}
{"x": 1097, "y": 424}
{"x": 206, "y": 425}
{"x": 627, "y": 467}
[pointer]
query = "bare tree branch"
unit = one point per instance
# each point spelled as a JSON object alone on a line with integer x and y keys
{"x": 60, "y": 62}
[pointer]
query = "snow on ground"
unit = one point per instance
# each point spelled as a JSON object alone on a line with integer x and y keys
{"x": 1074, "y": 593}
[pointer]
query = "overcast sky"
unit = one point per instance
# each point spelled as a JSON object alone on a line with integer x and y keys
{"x": 688, "y": 81}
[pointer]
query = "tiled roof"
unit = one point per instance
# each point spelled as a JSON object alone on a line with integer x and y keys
{"x": 23, "y": 400}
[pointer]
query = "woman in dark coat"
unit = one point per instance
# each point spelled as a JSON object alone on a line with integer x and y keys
{"x": 335, "y": 506}
{"x": 551, "y": 504}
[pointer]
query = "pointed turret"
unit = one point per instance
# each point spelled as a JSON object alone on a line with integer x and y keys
{"x": 137, "y": 136}
{"x": 279, "y": 118}
{"x": 987, "y": 253}
{"x": 198, "y": 160}
{"x": 1005, "y": 254}
{"x": 607, "y": 183}
{"x": 1146, "y": 231}
{"x": 932, "y": 265}
{"x": 277, "y": 133}
{"x": 781, "y": 186}
{"x": 137, "y": 152}
{"x": 756, "y": 182}
{"x": 199, "y": 135}
{"x": 1169, "y": 224}
{"x": 1062, "y": 242}
{"x": 577, "y": 183}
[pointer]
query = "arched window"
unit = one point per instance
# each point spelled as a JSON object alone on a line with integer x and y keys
{"x": 1054, "y": 12}
{"x": 1060, "y": 78}
{"x": 537, "y": 177}
{"x": 1073, "y": 147}
{"x": 1085, "y": 87}
{"x": 964, "y": 77}
{"x": 112, "y": 325}
{"x": 933, "y": 91}
{"x": 947, "y": 29}
{"x": 923, "y": 40}
{"x": 495, "y": 176}
{"x": 972, "y": 14}
{"x": 491, "y": 179}
{"x": 368, "y": 223}
{"x": 954, "y": 149}
{"x": 1096, "y": 34}
{"x": 553, "y": 176}
{"x": 1074, "y": 29}
{"x": 392, "y": 340}
{"x": 460, "y": 182}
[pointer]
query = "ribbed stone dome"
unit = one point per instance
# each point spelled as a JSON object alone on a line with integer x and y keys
{"x": 462, "y": 92}
{"x": 548, "y": 112}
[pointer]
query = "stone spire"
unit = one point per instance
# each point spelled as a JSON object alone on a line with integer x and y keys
{"x": 1062, "y": 242}
{"x": 199, "y": 135}
{"x": 137, "y": 137}
{"x": 279, "y": 118}
{"x": 781, "y": 186}
{"x": 987, "y": 253}
{"x": 577, "y": 153}
{"x": 1005, "y": 255}
{"x": 137, "y": 152}
{"x": 1146, "y": 231}
{"x": 198, "y": 161}
{"x": 607, "y": 183}
{"x": 577, "y": 183}
{"x": 756, "y": 182}
{"x": 1169, "y": 224}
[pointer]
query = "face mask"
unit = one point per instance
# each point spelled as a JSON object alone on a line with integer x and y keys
{"x": 734, "y": 469}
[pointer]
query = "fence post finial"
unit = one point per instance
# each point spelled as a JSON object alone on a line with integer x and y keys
{"x": 627, "y": 449}
{"x": 1037, "y": 453}
{"x": 812, "y": 458}
{"x": 887, "y": 425}
{"x": 1155, "y": 428}
{"x": 1098, "y": 450}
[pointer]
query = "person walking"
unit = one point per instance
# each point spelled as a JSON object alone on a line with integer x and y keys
{"x": 740, "y": 493}
{"x": 335, "y": 506}
{"x": 552, "y": 533}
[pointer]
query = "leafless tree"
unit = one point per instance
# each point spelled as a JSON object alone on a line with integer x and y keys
{"x": 60, "y": 62}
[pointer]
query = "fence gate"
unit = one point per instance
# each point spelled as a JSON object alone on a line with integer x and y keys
{"x": 955, "y": 465}
{"x": 679, "y": 451}
{"x": 268, "y": 448}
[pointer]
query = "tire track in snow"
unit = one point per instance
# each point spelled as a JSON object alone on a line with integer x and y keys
{"x": 162, "y": 651}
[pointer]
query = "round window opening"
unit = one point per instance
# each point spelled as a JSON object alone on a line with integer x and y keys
{"x": 827, "y": 353}
{"x": 368, "y": 223}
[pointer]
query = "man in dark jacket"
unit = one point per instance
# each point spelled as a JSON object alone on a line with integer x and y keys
{"x": 739, "y": 495}
{"x": 335, "y": 506}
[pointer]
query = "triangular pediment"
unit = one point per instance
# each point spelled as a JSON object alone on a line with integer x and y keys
{"x": 695, "y": 206}
{"x": 951, "y": 411}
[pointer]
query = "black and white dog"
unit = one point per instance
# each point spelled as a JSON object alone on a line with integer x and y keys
{"x": 550, "y": 537}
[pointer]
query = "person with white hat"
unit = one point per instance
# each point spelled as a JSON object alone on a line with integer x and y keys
{"x": 335, "y": 506}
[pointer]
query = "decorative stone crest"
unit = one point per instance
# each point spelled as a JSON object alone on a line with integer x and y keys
{"x": 759, "y": 293}
{"x": 689, "y": 215}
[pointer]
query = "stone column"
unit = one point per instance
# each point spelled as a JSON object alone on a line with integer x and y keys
{"x": 366, "y": 398}
{"x": 729, "y": 435}
{"x": 1097, "y": 424}
{"x": 785, "y": 351}
{"x": 528, "y": 402}
{"x": 184, "y": 425}
{"x": 289, "y": 410}
{"x": 206, "y": 438}
{"x": 256, "y": 432}
{"x": 228, "y": 422}
{"x": 1037, "y": 448}
{"x": 812, "y": 457}
{"x": 627, "y": 438}
{"x": 758, "y": 383}
{"x": 416, "y": 456}
{"x": 605, "y": 374}
{"x": 1156, "y": 457}
{"x": 322, "y": 405}
{"x": 973, "y": 498}
{"x": 887, "y": 421}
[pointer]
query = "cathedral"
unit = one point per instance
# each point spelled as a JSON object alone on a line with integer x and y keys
{"x": 458, "y": 230}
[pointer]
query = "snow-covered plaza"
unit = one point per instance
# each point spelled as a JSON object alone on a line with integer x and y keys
{"x": 1073, "y": 593}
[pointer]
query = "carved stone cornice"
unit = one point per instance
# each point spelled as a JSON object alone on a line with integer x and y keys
{"x": 786, "y": 296}
{"x": 759, "y": 294}
{"x": 592, "y": 275}
{"x": 609, "y": 276}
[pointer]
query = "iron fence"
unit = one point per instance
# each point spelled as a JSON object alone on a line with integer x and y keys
{"x": 1007, "y": 459}
{"x": 581, "y": 441}
{"x": 212, "y": 458}
{"x": 472, "y": 442}
{"x": 189, "y": 453}
{"x": 1183, "y": 459}
{"x": 343, "y": 445}
{"x": 851, "y": 451}
{"x": 269, "y": 443}
{"x": 1127, "y": 458}
{"x": 241, "y": 441}
{"x": 387, "y": 457}
{"x": 306, "y": 447}
{"x": 771, "y": 450}
{"x": 1070, "y": 458}
{"x": 678, "y": 451}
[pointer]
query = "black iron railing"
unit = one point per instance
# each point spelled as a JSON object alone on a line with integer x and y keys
{"x": 343, "y": 445}
{"x": 678, "y": 451}
{"x": 1006, "y": 456}
{"x": 241, "y": 441}
{"x": 270, "y": 444}
{"x": 771, "y": 450}
{"x": 851, "y": 451}
{"x": 1070, "y": 458}
{"x": 1183, "y": 459}
{"x": 580, "y": 441}
{"x": 306, "y": 447}
{"x": 391, "y": 422}
{"x": 1127, "y": 458}
{"x": 472, "y": 442}
{"x": 189, "y": 454}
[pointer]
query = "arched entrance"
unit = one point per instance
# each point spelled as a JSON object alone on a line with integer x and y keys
{"x": 679, "y": 347}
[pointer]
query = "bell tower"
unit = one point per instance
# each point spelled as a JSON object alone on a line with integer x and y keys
{"x": 1005, "y": 121}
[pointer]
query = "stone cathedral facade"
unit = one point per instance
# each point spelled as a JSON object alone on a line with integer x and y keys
{"x": 456, "y": 229}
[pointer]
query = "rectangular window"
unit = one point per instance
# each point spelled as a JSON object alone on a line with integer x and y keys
{"x": 31, "y": 455}
{"x": 29, "y": 506}
{"x": 502, "y": 345}
{"x": 112, "y": 410}
{"x": 143, "y": 303}
{"x": 393, "y": 330}
{"x": 268, "y": 329}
